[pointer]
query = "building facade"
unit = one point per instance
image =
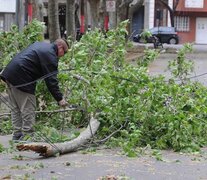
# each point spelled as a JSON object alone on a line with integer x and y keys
{"x": 190, "y": 17}
{"x": 151, "y": 14}
{"x": 191, "y": 21}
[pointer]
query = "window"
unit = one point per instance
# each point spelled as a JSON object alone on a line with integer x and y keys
{"x": 182, "y": 23}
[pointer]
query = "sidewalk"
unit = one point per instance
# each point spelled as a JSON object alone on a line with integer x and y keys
{"x": 96, "y": 164}
{"x": 139, "y": 47}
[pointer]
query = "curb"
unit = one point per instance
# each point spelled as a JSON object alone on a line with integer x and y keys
{"x": 139, "y": 48}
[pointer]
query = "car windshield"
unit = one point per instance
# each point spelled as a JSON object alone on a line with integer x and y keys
{"x": 162, "y": 29}
{"x": 153, "y": 30}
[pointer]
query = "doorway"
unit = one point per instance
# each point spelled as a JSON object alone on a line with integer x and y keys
{"x": 201, "y": 30}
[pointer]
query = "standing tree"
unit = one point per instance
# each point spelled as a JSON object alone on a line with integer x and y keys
{"x": 102, "y": 13}
{"x": 126, "y": 9}
{"x": 83, "y": 11}
{"x": 53, "y": 20}
{"x": 123, "y": 10}
{"x": 171, "y": 10}
{"x": 37, "y": 9}
{"x": 94, "y": 7}
{"x": 70, "y": 19}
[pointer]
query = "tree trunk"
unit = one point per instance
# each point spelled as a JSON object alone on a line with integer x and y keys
{"x": 112, "y": 20}
{"x": 53, "y": 20}
{"x": 85, "y": 15}
{"x": 48, "y": 150}
{"x": 101, "y": 14}
{"x": 70, "y": 19}
{"x": 37, "y": 9}
{"x": 123, "y": 10}
{"x": 20, "y": 13}
{"x": 94, "y": 7}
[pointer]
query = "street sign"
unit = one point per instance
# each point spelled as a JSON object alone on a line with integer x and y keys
{"x": 110, "y": 6}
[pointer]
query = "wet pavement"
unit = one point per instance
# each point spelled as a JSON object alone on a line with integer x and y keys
{"x": 168, "y": 53}
{"x": 160, "y": 66}
{"x": 100, "y": 163}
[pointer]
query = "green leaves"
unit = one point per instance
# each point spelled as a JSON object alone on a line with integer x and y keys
{"x": 1, "y": 148}
{"x": 156, "y": 113}
{"x": 13, "y": 41}
{"x": 179, "y": 67}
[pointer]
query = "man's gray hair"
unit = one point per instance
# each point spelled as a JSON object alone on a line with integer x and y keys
{"x": 62, "y": 42}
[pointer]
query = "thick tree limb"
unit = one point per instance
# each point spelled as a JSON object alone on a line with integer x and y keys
{"x": 47, "y": 150}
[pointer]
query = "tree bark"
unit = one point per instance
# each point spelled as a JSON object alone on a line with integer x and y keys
{"x": 123, "y": 10}
{"x": 70, "y": 19}
{"x": 37, "y": 9}
{"x": 20, "y": 13}
{"x": 85, "y": 15}
{"x": 53, "y": 20}
{"x": 94, "y": 7}
{"x": 48, "y": 150}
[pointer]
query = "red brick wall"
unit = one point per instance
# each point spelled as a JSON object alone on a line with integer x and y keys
{"x": 185, "y": 37}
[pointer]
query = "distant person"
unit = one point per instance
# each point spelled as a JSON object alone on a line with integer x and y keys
{"x": 37, "y": 60}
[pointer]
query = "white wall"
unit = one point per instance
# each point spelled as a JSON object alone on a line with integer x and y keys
{"x": 149, "y": 14}
{"x": 170, "y": 3}
{"x": 8, "y": 6}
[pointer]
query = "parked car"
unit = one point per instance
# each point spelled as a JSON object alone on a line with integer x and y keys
{"x": 164, "y": 34}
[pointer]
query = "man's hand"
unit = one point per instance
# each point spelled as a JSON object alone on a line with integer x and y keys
{"x": 62, "y": 103}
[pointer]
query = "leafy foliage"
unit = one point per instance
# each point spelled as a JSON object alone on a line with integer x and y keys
{"x": 180, "y": 67}
{"x": 141, "y": 109}
{"x": 145, "y": 35}
{"x": 149, "y": 110}
{"x": 5, "y": 126}
{"x": 1, "y": 148}
{"x": 13, "y": 41}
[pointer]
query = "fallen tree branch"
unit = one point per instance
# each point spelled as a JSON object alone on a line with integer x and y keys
{"x": 62, "y": 110}
{"x": 52, "y": 111}
{"x": 47, "y": 150}
{"x": 108, "y": 137}
{"x": 78, "y": 77}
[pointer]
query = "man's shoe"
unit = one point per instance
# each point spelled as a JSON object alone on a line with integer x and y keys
{"x": 17, "y": 136}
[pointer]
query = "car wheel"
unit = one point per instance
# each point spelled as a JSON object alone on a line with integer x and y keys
{"x": 172, "y": 41}
{"x": 141, "y": 40}
{"x": 135, "y": 39}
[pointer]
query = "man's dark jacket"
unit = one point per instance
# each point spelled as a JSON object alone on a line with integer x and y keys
{"x": 38, "y": 60}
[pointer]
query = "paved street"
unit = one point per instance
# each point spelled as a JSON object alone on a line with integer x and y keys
{"x": 197, "y": 48}
{"x": 92, "y": 166}
{"x": 160, "y": 65}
